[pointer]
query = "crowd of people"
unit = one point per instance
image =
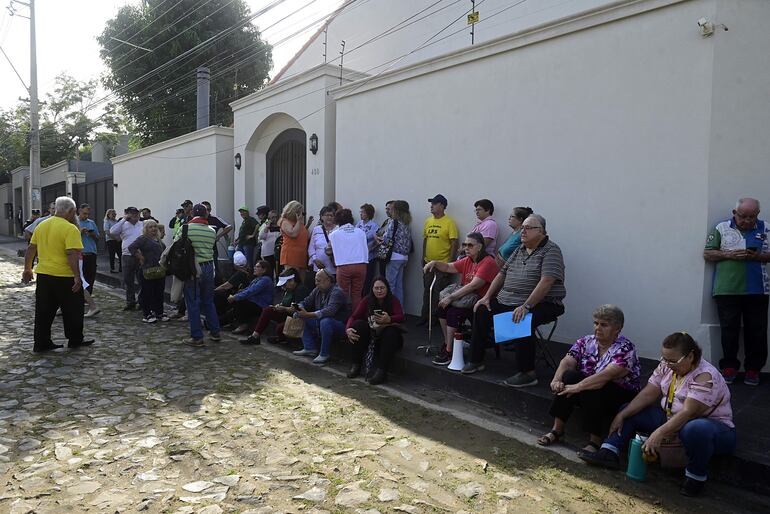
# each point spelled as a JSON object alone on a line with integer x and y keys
{"x": 341, "y": 280}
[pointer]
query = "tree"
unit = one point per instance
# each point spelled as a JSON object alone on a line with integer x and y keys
{"x": 155, "y": 84}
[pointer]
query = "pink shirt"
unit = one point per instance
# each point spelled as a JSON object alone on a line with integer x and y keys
{"x": 488, "y": 228}
{"x": 713, "y": 392}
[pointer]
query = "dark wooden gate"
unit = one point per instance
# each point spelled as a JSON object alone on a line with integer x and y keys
{"x": 286, "y": 169}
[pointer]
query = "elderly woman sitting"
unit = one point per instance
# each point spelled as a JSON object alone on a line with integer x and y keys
{"x": 687, "y": 397}
{"x": 477, "y": 270}
{"x": 600, "y": 373}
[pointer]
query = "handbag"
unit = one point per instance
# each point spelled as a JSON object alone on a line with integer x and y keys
{"x": 672, "y": 453}
{"x": 328, "y": 250}
{"x": 466, "y": 302}
{"x": 154, "y": 272}
{"x": 385, "y": 250}
{"x": 293, "y": 327}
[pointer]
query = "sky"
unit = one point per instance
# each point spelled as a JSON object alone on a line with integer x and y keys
{"x": 67, "y": 31}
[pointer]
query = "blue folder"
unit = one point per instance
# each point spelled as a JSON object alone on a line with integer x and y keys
{"x": 506, "y": 329}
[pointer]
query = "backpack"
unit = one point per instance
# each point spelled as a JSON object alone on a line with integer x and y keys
{"x": 180, "y": 260}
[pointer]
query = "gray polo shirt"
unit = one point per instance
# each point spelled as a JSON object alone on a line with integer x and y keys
{"x": 523, "y": 271}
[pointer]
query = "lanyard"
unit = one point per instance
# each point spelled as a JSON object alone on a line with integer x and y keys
{"x": 670, "y": 397}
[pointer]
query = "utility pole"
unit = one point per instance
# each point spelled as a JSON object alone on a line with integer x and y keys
{"x": 34, "y": 122}
{"x": 342, "y": 57}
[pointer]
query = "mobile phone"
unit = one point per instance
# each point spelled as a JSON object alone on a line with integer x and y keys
{"x": 379, "y": 312}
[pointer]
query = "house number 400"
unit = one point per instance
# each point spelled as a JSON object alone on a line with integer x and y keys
{"x": 315, "y": 171}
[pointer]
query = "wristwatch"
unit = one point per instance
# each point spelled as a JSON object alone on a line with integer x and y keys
{"x": 528, "y": 307}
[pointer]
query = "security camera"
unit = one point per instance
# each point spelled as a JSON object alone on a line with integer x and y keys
{"x": 706, "y": 27}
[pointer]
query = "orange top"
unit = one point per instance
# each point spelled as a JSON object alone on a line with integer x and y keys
{"x": 294, "y": 249}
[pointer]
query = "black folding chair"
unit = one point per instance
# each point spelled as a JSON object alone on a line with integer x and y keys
{"x": 543, "y": 353}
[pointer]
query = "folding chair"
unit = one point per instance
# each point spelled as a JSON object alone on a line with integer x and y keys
{"x": 543, "y": 353}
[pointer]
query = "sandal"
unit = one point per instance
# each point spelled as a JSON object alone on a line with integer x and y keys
{"x": 550, "y": 438}
{"x": 584, "y": 451}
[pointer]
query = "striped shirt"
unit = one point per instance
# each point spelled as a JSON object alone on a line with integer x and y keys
{"x": 523, "y": 271}
{"x": 202, "y": 238}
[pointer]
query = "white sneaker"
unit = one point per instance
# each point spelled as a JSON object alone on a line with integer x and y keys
{"x": 321, "y": 359}
{"x": 164, "y": 318}
{"x": 91, "y": 313}
{"x": 303, "y": 353}
{"x": 184, "y": 318}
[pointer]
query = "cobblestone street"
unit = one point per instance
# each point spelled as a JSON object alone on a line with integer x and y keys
{"x": 139, "y": 422}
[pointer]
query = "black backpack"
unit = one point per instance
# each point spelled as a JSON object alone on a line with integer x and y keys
{"x": 180, "y": 260}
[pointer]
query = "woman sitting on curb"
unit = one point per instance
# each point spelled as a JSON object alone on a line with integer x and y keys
{"x": 687, "y": 397}
{"x": 249, "y": 302}
{"x": 599, "y": 373}
{"x": 477, "y": 270}
{"x": 374, "y": 333}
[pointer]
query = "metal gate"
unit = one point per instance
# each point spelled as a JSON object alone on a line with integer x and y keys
{"x": 99, "y": 196}
{"x": 286, "y": 169}
{"x": 49, "y": 194}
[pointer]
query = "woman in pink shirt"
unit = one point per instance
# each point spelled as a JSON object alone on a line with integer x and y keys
{"x": 687, "y": 397}
{"x": 486, "y": 226}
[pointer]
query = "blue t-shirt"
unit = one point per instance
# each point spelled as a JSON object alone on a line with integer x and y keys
{"x": 513, "y": 242}
{"x": 89, "y": 243}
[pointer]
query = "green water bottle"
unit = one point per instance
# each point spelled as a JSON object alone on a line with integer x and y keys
{"x": 637, "y": 467}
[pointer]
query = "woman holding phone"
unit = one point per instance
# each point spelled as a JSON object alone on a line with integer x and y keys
{"x": 373, "y": 330}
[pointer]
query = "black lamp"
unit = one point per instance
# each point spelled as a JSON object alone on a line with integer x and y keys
{"x": 314, "y": 143}
{"x": 237, "y": 161}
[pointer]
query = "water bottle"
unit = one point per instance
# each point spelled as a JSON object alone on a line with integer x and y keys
{"x": 230, "y": 252}
{"x": 637, "y": 467}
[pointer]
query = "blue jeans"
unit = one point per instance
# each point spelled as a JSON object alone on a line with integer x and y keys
{"x": 394, "y": 272}
{"x": 702, "y": 438}
{"x": 327, "y": 328}
{"x": 199, "y": 297}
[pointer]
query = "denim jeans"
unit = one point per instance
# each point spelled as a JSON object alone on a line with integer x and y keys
{"x": 199, "y": 297}
{"x": 248, "y": 252}
{"x": 702, "y": 438}
{"x": 394, "y": 272}
{"x": 326, "y": 328}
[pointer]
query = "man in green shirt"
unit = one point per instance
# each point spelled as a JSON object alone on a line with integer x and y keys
{"x": 247, "y": 241}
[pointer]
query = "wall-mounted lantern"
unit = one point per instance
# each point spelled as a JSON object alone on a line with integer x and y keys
{"x": 237, "y": 161}
{"x": 314, "y": 144}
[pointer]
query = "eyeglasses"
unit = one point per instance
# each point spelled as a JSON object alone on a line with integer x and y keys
{"x": 468, "y": 245}
{"x": 526, "y": 227}
{"x": 673, "y": 363}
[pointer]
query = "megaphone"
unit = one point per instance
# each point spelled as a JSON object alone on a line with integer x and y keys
{"x": 458, "y": 361}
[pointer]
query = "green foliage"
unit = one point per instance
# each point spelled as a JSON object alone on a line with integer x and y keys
{"x": 162, "y": 102}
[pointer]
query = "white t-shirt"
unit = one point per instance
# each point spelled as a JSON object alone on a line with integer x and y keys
{"x": 268, "y": 239}
{"x": 349, "y": 245}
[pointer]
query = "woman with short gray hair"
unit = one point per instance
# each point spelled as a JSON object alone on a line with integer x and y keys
{"x": 600, "y": 373}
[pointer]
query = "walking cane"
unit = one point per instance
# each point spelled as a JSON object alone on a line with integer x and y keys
{"x": 428, "y": 347}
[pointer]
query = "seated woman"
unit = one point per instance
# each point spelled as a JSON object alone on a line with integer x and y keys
{"x": 477, "y": 270}
{"x": 517, "y": 217}
{"x": 685, "y": 396}
{"x": 374, "y": 332}
{"x": 249, "y": 302}
{"x": 293, "y": 293}
{"x": 599, "y": 373}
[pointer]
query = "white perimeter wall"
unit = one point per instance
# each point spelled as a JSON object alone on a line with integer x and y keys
{"x": 604, "y": 131}
{"x": 197, "y": 166}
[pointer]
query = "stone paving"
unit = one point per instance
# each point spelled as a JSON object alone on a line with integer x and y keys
{"x": 139, "y": 422}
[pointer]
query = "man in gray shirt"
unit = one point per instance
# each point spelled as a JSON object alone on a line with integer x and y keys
{"x": 531, "y": 281}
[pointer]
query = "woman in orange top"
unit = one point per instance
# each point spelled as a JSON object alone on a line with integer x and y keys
{"x": 295, "y": 236}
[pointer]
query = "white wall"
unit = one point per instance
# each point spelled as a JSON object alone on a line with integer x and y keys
{"x": 604, "y": 131}
{"x": 162, "y": 176}
{"x": 410, "y": 25}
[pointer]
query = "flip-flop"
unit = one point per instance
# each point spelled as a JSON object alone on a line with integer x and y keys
{"x": 593, "y": 445}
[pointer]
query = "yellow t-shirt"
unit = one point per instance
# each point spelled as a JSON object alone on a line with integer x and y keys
{"x": 53, "y": 238}
{"x": 438, "y": 234}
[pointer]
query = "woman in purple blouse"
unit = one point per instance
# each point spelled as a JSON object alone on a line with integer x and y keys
{"x": 600, "y": 373}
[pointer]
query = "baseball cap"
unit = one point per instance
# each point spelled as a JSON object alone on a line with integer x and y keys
{"x": 243, "y": 208}
{"x": 263, "y": 209}
{"x": 439, "y": 199}
{"x": 239, "y": 259}
{"x": 186, "y": 203}
{"x": 283, "y": 280}
{"x": 199, "y": 210}
{"x": 131, "y": 209}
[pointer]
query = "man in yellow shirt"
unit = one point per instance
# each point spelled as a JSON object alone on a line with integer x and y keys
{"x": 439, "y": 244}
{"x": 57, "y": 244}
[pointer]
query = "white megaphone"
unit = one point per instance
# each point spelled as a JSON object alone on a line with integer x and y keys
{"x": 458, "y": 362}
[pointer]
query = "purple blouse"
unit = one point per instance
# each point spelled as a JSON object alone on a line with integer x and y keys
{"x": 622, "y": 353}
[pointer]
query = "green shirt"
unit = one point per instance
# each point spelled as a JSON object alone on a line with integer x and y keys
{"x": 202, "y": 238}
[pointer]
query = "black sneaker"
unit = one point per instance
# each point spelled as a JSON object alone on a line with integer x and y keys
{"x": 602, "y": 457}
{"x": 251, "y": 340}
{"x": 443, "y": 358}
{"x": 691, "y": 487}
